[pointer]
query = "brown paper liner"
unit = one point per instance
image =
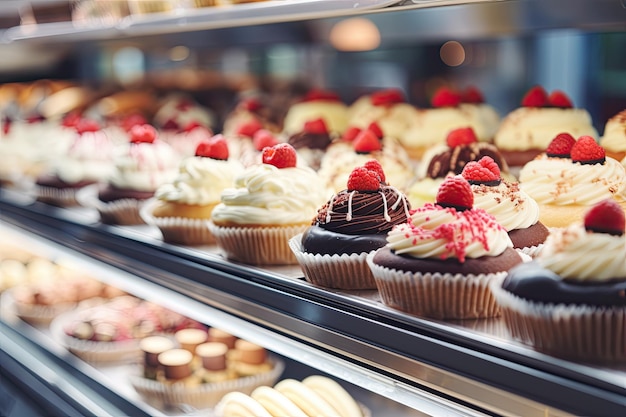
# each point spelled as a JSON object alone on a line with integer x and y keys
{"x": 61, "y": 197}
{"x": 124, "y": 212}
{"x": 345, "y": 271}
{"x": 178, "y": 230}
{"x": 575, "y": 332}
{"x": 257, "y": 245}
{"x": 439, "y": 296}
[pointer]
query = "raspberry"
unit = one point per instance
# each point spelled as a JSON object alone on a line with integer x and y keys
{"x": 131, "y": 120}
{"x": 251, "y": 104}
{"x": 215, "y": 148}
{"x": 484, "y": 171}
{"x": 375, "y": 127}
{"x": 606, "y": 217}
{"x": 587, "y": 151}
{"x": 191, "y": 126}
{"x": 535, "y": 97}
{"x": 316, "y": 127}
{"x": 249, "y": 128}
{"x": 455, "y": 192}
{"x": 87, "y": 125}
{"x": 362, "y": 179}
{"x": 375, "y": 166}
{"x": 561, "y": 146}
{"x": 142, "y": 133}
{"x": 366, "y": 142}
{"x": 170, "y": 124}
{"x": 263, "y": 139}
{"x": 387, "y": 97}
{"x": 325, "y": 95}
{"x": 559, "y": 99}
{"x": 461, "y": 136}
{"x": 446, "y": 97}
{"x": 71, "y": 119}
{"x": 282, "y": 155}
{"x": 472, "y": 95}
{"x": 351, "y": 133}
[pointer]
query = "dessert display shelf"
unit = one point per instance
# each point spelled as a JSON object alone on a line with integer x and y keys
{"x": 472, "y": 364}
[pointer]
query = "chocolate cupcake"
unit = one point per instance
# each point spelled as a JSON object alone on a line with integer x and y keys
{"x": 571, "y": 301}
{"x": 440, "y": 263}
{"x": 353, "y": 223}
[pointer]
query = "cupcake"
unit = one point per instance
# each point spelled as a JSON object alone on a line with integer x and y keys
{"x": 512, "y": 207}
{"x": 269, "y": 203}
{"x": 181, "y": 208}
{"x": 317, "y": 105}
{"x": 357, "y": 147}
{"x": 526, "y": 132}
{"x": 312, "y": 141}
{"x": 388, "y": 108}
{"x": 441, "y": 161}
{"x": 440, "y": 263}
{"x": 569, "y": 177}
{"x": 89, "y": 160}
{"x": 450, "y": 110}
{"x": 570, "y": 301}
{"x": 146, "y": 164}
{"x": 613, "y": 139}
{"x": 353, "y": 223}
{"x": 249, "y": 109}
{"x": 178, "y": 112}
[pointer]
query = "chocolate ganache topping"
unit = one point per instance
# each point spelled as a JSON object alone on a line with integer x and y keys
{"x": 356, "y": 221}
{"x": 455, "y": 158}
{"x": 310, "y": 140}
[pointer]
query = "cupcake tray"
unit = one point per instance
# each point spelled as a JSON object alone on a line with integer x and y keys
{"x": 284, "y": 290}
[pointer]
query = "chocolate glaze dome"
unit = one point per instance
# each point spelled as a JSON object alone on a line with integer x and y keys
{"x": 455, "y": 158}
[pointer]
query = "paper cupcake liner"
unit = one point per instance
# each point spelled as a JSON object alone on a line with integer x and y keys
{"x": 205, "y": 395}
{"x": 35, "y": 313}
{"x": 531, "y": 251}
{"x": 345, "y": 271}
{"x": 436, "y": 295}
{"x": 61, "y": 197}
{"x": 178, "y": 230}
{"x": 257, "y": 245}
{"x": 121, "y": 212}
{"x": 576, "y": 332}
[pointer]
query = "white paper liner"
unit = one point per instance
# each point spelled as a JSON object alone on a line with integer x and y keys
{"x": 342, "y": 271}
{"x": 35, "y": 313}
{"x": 122, "y": 212}
{"x": 531, "y": 251}
{"x": 577, "y": 332}
{"x": 439, "y": 296}
{"x": 204, "y": 395}
{"x": 177, "y": 230}
{"x": 257, "y": 245}
{"x": 93, "y": 351}
{"x": 62, "y": 197}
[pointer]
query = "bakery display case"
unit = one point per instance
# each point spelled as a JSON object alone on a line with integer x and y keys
{"x": 392, "y": 363}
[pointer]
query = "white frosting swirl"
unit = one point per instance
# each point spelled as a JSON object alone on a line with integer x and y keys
{"x": 145, "y": 166}
{"x": 512, "y": 207}
{"x": 534, "y": 128}
{"x": 573, "y": 253}
{"x": 614, "y": 137}
{"x": 200, "y": 181}
{"x": 266, "y": 195}
{"x": 561, "y": 181}
{"x": 435, "y": 232}
{"x": 89, "y": 158}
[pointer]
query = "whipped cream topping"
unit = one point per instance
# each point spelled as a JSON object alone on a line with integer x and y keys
{"x": 266, "y": 195}
{"x": 443, "y": 233}
{"x": 200, "y": 181}
{"x": 90, "y": 157}
{"x": 42, "y": 141}
{"x": 512, "y": 207}
{"x": 183, "y": 111}
{"x": 614, "y": 137}
{"x": 145, "y": 166}
{"x": 561, "y": 181}
{"x": 334, "y": 113}
{"x": 535, "y": 127}
{"x": 575, "y": 254}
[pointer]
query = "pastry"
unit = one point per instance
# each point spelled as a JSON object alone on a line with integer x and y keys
{"x": 311, "y": 141}
{"x": 526, "y": 131}
{"x": 151, "y": 347}
{"x": 317, "y": 105}
{"x": 182, "y": 207}
{"x": 248, "y": 358}
{"x": 512, "y": 207}
{"x": 269, "y": 203}
{"x": 276, "y": 403}
{"x": 570, "y": 301}
{"x": 440, "y": 263}
{"x": 353, "y": 223}
{"x": 569, "y": 177}
{"x": 305, "y": 398}
{"x": 441, "y": 161}
{"x": 334, "y": 394}
{"x": 238, "y": 404}
{"x": 613, "y": 139}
